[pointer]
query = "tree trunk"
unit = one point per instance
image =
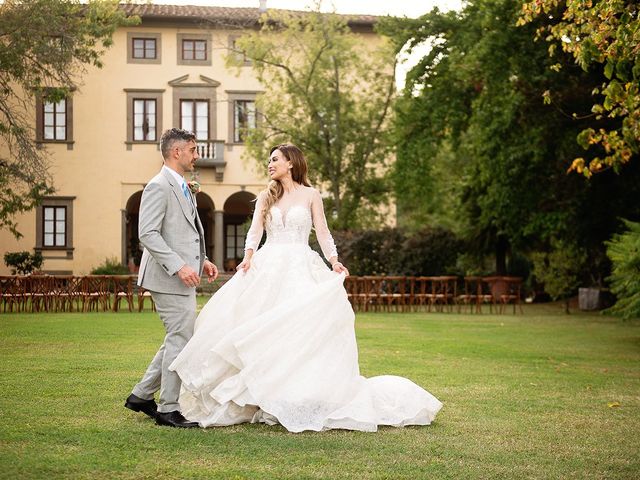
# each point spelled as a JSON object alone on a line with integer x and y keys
{"x": 502, "y": 246}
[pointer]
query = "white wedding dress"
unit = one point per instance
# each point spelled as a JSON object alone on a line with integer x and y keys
{"x": 277, "y": 344}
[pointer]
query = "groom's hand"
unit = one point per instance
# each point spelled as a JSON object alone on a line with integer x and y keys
{"x": 211, "y": 270}
{"x": 189, "y": 276}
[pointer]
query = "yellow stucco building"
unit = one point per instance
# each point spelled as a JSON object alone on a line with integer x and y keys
{"x": 167, "y": 71}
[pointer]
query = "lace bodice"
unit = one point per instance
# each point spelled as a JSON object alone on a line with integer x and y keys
{"x": 292, "y": 223}
{"x": 291, "y": 226}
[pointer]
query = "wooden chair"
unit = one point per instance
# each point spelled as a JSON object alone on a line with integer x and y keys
{"x": 95, "y": 293}
{"x": 390, "y": 292}
{"x": 409, "y": 294}
{"x": 371, "y": 285}
{"x": 423, "y": 294}
{"x": 351, "y": 287}
{"x": 39, "y": 292}
{"x": 471, "y": 295}
{"x": 62, "y": 287}
{"x": 122, "y": 290}
{"x": 512, "y": 294}
{"x": 142, "y": 295}
{"x": 74, "y": 294}
{"x": 363, "y": 293}
{"x": 13, "y": 292}
{"x": 444, "y": 292}
{"x": 488, "y": 292}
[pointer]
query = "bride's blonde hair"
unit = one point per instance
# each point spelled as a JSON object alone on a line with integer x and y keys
{"x": 275, "y": 190}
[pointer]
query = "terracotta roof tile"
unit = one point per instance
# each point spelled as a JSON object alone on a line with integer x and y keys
{"x": 218, "y": 14}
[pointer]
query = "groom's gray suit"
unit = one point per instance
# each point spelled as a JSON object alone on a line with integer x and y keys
{"x": 172, "y": 236}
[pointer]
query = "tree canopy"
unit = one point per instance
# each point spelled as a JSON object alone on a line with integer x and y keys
{"x": 606, "y": 34}
{"x": 477, "y": 143}
{"x": 330, "y": 93}
{"x": 44, "y": 49}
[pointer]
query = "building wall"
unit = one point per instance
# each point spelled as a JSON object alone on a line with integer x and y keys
{"x": 103, "y": 172}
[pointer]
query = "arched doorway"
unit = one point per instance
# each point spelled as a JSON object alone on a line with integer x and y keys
{"x": 237, "y": 218}
{"x": 205, "y": 211}
{"x": 132, "y": 251}
{"x": 131, "y": 248}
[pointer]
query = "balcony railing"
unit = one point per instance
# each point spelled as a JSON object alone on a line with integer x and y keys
{"x": 212, "y": 156}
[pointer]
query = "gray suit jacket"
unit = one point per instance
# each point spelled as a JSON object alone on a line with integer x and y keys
{"x": 171, "y": 233}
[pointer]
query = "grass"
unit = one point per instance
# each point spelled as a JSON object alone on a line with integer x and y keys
{"x": 525, "y": 396}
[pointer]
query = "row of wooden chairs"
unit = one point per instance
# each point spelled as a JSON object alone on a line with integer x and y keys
{"x": 68, "y": 293}
{"x": 406, "y": 293}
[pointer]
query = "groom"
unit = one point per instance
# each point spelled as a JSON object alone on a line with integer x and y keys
{"x": 172, "y": 262}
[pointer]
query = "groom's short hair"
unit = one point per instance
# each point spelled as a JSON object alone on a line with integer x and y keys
{"x": 171, "y": 136}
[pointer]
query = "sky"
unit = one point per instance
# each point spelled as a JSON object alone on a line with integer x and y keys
{"x": 400, "y": 8}
{"x": 409, "y": 8}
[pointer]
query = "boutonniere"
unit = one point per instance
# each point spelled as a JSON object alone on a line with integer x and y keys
{"x": 194, "y": 187}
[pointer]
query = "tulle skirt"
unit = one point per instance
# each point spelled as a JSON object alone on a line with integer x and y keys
{"x": 277, "y": 345}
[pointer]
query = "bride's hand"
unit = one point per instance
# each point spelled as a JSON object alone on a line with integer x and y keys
{"x": 244, "y": 266}
{"x": 340, "y": 268}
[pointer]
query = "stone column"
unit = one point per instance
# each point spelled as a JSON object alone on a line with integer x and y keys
{"x": 218, "y": 239}
{"x": 123, "y": 236}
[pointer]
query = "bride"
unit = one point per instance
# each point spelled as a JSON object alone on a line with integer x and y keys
{"x": 276, "y": 344}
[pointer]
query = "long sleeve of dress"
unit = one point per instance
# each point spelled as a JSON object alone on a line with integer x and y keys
{"x": 322, "y": 230}
{"x": 254, "y": 235}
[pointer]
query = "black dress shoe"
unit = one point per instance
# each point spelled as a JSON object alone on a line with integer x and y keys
{"x": 174, "y": 419}
{"x": 138, "y": 404}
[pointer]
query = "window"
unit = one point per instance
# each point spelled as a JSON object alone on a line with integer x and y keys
{"x": 243, "y": 115}
{"x": 194, "y": 117}
{"x": 144, "y": 120}
{"x": 54, "y": 120}
{"x": 239, "y": 55}
{"x": 144, "y": 48}
{"x": 244, "y": 119}
{"x": 54, "y": 227}
{"x": 235, "y": 241}
{"x": 144, "y": 116}
{"x": 194, "y": 49}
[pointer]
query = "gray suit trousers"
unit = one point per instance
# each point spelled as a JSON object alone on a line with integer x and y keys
{"x": 178, "y": 313}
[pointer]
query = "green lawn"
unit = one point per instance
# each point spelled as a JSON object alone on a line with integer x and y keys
{"x": 526, "y": 396}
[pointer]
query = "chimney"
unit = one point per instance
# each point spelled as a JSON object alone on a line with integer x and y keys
{"x": 263, "y": 6}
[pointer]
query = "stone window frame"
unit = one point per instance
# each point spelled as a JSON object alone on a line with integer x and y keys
{"x": 143, "y": 94}
{"x": 144, "y": 35}
{"x": 66, "y": 202}
{"x": 148, "y": 46}
{"x": 55, "y": 232}
{"x": 40, "y": 101}
{"x": 193, "y": 36}
{"x": 231, "y": 44}
{"x": 196, "y": 92}
{"x": 145, "y": 114}
{"x": 56, "y": 112}
{"x": 194, "y": 49}
{"x": 232, "y": 97}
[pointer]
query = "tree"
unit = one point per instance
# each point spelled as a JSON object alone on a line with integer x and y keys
{"x": 23, "y": 263}
{"x": 624, "y": 251}
{"x": 560, "y": 270}
{"x": 607, "y": 33}
{"x": 473, "y": 109}
{"x": 331, "y": 94}
{"x": 45, "y": 47}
